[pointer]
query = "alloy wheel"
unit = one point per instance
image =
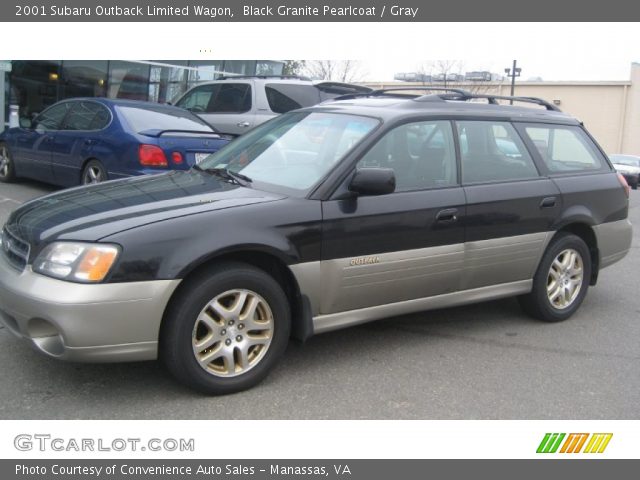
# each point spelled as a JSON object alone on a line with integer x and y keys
{"x": 92, "y": 175}
{"x": 5, "y": 162}
{"x": 565, "y": 279}
{"x": 232, "y": 333}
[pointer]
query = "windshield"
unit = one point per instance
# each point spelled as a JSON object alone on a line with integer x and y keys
{"x": 293, "y": 151}
{"x": 158, "y": 117}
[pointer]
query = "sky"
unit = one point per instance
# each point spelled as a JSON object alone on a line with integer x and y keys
{"x": 557, "y": 51}
{"x": 553, "y": 51}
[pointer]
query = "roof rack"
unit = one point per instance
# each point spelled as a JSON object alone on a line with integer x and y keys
{"x": 457, "y": 94}
{"x": 283, "y": 77}
{"x": 492, "y": 99}
{"x": 392, "y": 91}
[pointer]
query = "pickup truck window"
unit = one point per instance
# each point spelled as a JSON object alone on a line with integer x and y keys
{"x": 283, "y": 97}
{"x": 218, "y": 98}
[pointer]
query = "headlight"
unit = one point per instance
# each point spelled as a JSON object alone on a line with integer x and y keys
{"x": 77, "y": 262}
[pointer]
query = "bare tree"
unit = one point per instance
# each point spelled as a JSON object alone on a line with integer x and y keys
{"x": 293, "y": 67}
{"x": 337, "y": 70}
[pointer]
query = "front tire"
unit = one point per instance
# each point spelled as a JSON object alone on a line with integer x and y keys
{"x": 7, "y": 168}
{"x": 225, "y": 329}
{"x": 561, "y": 281}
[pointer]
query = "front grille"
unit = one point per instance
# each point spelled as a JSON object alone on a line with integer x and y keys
{"x": 15, "y": 250}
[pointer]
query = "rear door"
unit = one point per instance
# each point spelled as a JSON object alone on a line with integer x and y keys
{"x": 406, "y": 245}
{"x": 229, "y": 107}
{"x": 511, "y": 208}
{"x": 75, "y": 141}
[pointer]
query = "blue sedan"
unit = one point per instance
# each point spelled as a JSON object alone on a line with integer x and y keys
{"x": 89, "y": 140}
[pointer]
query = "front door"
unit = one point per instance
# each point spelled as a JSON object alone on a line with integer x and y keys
{"x": 409, "y": 244}
{"x": 34, "y": 145}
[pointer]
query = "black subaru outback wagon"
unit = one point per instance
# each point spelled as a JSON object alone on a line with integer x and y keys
{"x": 362, "y": 208}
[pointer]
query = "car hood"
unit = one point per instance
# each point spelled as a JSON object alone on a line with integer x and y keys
{"x": 626, "y": 168}
{"x": 94, "y": 212}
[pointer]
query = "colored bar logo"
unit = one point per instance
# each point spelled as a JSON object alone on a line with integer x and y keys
{"x": 574, "y": 442}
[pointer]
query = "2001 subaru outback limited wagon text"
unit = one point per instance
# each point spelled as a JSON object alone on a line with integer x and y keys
{"x": 366, "y": 207}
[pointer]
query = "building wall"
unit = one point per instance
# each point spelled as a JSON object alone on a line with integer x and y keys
{"x": 33, "y": 85}
{"x": 609, "y": 110}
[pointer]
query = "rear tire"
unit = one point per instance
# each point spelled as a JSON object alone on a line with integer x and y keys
{"x": 561, "y": 281}
{"x": 93, "y": 172}
{"x": 7, "y": 168}
{"x": 225, "y": 329}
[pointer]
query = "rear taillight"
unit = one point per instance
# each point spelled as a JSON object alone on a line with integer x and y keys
{"x": 176, "y": 157}
{"x": 625, "y": 185}
{"x": 152, "y": 156}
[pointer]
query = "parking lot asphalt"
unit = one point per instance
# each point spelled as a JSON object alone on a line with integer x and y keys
{"x": 485, "y": 361}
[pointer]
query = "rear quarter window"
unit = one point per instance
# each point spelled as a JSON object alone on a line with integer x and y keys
{"x": 284, "y": 97}
{"x": 565, "y": 148}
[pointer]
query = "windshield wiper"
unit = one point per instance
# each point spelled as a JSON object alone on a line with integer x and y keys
{"x": 226, "y": 174}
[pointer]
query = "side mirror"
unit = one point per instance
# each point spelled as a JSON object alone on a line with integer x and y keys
{"x": 373, "y": 181}
{"x": 25, "y": 122}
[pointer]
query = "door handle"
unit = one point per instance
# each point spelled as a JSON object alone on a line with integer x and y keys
{"x": 244, "y": 124}
{"x": 89, "y": 141}
{"x": 447, "y": 216}
{"x": 548, "y": 202}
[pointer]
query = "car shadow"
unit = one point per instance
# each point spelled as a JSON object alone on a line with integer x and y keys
{"x": 147, "y": 383}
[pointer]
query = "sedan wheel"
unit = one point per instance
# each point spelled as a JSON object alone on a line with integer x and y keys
{"x": 7, "y": 173}
{"x": 93, "y": 173}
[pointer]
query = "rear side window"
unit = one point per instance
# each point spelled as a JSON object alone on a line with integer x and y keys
{"x": 218, "y": 98}
{"x": 493, "y": 151}
{"x": 284, "y": 97}
{"x": 52, "y": 117}
{"x": 564, "y": 148}
{"x": 87, "y": 116}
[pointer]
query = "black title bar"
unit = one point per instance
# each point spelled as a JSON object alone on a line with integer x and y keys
{"x": 317, "y": 10}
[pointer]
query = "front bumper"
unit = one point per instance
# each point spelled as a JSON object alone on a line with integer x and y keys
{"x": 115, "y": 322}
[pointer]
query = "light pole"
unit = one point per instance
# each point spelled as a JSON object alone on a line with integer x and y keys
{"x": 513, "y": 73}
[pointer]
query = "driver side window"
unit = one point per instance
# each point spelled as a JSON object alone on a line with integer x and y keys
{"x": 197, "y": 99}
{"x": 421, "y": 154}
{"x": 51, "y": 118}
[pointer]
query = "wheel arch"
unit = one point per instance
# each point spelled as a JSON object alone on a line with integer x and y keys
{"x": 273, "y": 265}
{"x": 583, "y": 228}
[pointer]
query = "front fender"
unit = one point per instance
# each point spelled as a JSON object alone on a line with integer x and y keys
{"x": 289, "y": 230}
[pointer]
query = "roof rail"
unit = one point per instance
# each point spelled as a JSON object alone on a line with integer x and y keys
{"x": 391, "y": 91}
{"x": 284, "y": 77}
{"x": 457, "y": 94}
{"x": 492, "y": 99}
